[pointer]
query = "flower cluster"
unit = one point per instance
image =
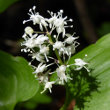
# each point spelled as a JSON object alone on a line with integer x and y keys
{"x": 54, "y": 39}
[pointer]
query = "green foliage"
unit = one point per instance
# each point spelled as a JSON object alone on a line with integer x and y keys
{"x": 32, "y": 103}
{"x": 104, "y": 29}
{"x": 53, "y": 77}
{"x": 37, "y": 99}
{"x": 94, "y": 94}
{"x": 4, "y": 4}
{"x": 16, "y": 81}
{"x": 82, "y": 85}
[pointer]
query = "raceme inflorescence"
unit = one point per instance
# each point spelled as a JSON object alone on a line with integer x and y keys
{"x": 51, "y": 47}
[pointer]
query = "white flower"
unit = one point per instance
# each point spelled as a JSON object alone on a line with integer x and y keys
{"x": 41, "y": 39}
{"x": 58, "y": 22}
{"x": 60, "y": 29}
{"x": 43, "y": 78}
{"x": 41, "y": 68}
{"x": 58, "y": 45}
{"x": 38, "y": 57}
{"x": 80, "y": 64}
{"x": 44, "y": 50}
{"x": 38, "y": 44}
{"x": 70, "y": 39}
{"x": 48, "y": 85}
{"x": 69, "y": 50}
{"x": 29, "y": 41}
{"x": 36, "y": 18}
{"x": 61, "y": 73}
{"x": 29, "y": 30}
{"x": 52, "y": 19}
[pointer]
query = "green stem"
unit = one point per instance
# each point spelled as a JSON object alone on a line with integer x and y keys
{"x": 59, "y": 59}
{"x": 67, "y": 100}
{"x": 56, "y": 52}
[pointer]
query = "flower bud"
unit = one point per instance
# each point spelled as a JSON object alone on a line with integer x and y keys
{"x": 29, "y": 30}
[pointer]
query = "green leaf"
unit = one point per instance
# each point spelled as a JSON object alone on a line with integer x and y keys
{"x": 16, "y": 81}
{"x": 53, "y": 77}
{"x": 99, "y": 61}
{"x": 37, "y": 99}
{"x": 104, "y": 28}
{"x": 4, "y": 4}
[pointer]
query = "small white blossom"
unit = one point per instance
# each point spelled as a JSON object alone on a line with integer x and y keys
{"x": 58, "y": 45}
{"x": 43, "y": 78}
{"x": 58, "y": 22}
{"x": 70, "y": 39}
{"x": 52, "y": 19}
{"x": 61, "y": 73}
{"x": 80, "y": 64}
{"x": 29, "y": 41}
{"x": 36, "y": 19}
{"x": 48, "y": 85}
{"x": 38, "y": 57}
{"x": 44, "y": 50}
{"x": 29, "y": 30}
{"x": 41, "y": 68}
{"x": 41, "y": 39}
{"x": 69, "y": 50}
{"x": 60, "y": 30}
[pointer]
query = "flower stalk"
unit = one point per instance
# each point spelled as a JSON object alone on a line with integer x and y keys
{"x": 37, "y": 45}
{"x": 56, "y": 52}
{"x": 67, "y": 99}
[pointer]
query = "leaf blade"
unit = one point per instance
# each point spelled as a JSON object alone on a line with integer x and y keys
{"x": 99, "y": 60}
{"x": 15, "y": 79}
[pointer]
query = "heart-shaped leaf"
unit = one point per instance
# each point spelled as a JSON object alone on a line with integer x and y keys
{"x": 16, "y": 81}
